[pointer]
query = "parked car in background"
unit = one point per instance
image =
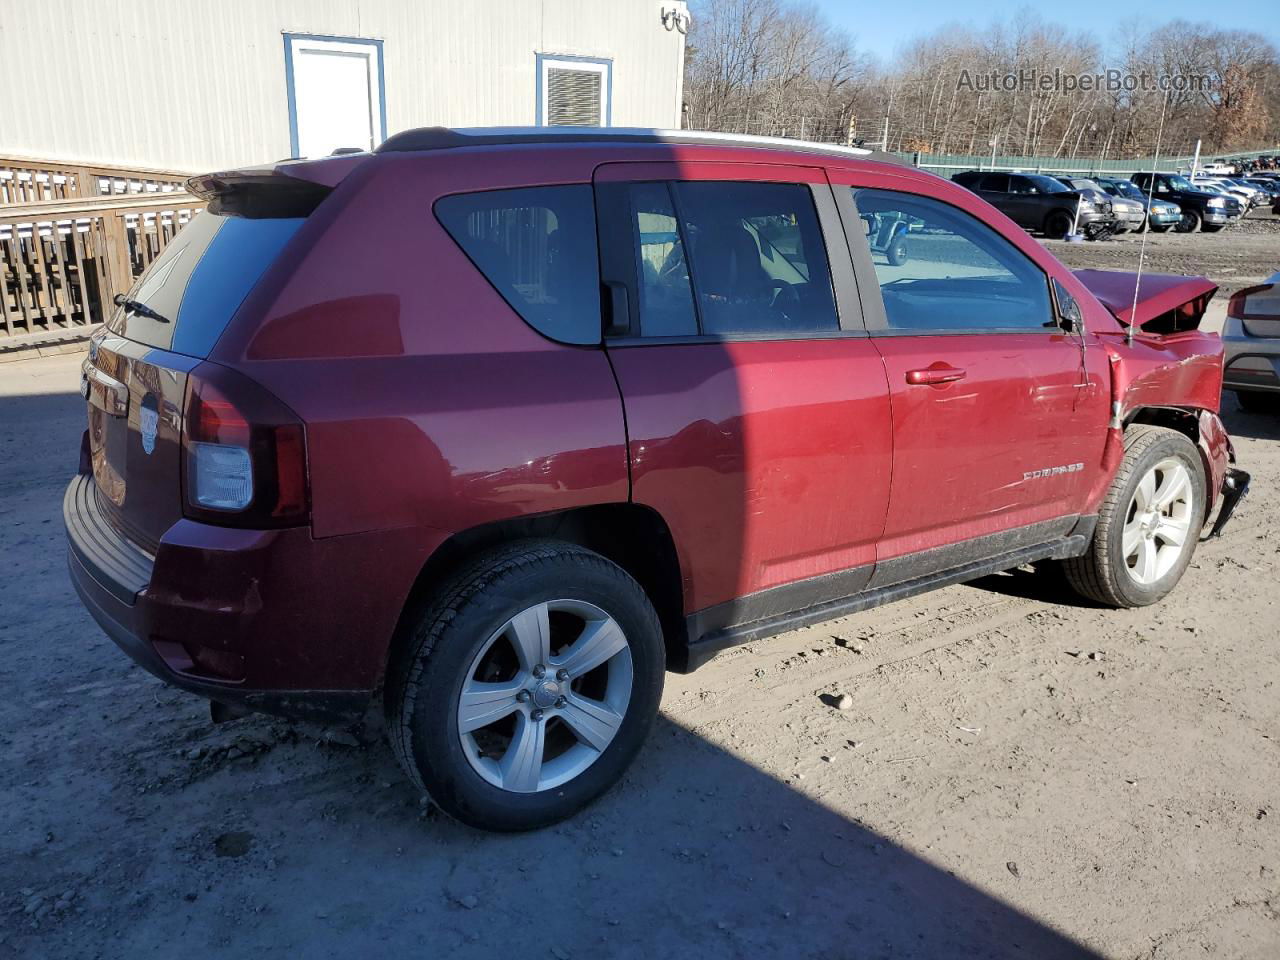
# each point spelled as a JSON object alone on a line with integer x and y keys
{"x": 1038, "y": 202}
{"x": 1251, "y": 336}
{"x": 1248, "y": 195}
{"x": 1128, "y": 214}
{"x": 1261, "y": 196}
{"x": 355, "y": 439}
{"x": 1201, "y": 209}
{"x": 1160, "y": 215}
{"x": 1218, "y": 168}
{"x": 1269, "y": 185}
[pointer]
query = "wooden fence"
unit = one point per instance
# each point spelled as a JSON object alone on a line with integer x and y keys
{"x": 71, "y": 238}
{"x": 28, "y": 180}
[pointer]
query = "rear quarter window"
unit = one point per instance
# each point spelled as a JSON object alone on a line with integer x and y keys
{"x": 537, "y": 247}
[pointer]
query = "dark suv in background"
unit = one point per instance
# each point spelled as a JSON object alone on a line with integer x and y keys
{"x": 1037, "y": 202}
{"x": 1201, "y": 209}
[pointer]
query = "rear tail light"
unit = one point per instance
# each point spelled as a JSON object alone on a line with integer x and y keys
{"x": 244, "y": 454}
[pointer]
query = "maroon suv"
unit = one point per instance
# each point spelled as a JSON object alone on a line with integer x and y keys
{"x": 490, "y": 428}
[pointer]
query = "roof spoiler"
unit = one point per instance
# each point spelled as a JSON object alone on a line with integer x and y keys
{"x": 290, "y": 188}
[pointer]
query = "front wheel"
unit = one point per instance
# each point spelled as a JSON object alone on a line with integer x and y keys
{"x": 897, "y": 252}
{"x": 1148, "y": 524}
{"x": 1057, "y": 225}
{"x": 1189, "y": 223}
{"x": 526, "y": 686}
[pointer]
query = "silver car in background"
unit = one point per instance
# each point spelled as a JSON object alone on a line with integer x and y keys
{"x": 1162, "y": 216}
{"x": 1251, "y": 337}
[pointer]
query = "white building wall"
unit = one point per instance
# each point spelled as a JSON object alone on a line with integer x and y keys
{"x": 198, "y": 85}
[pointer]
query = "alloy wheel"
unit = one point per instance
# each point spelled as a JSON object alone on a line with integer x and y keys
{"x": 1158, "y": 521}
{"x": 545, "y": 696}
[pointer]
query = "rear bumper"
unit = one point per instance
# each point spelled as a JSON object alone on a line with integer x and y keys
{"x": 270, "y": 620}
{"x": 1252, "y": 372}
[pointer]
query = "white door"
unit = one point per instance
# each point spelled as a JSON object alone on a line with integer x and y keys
{"x": 335, "y": 94}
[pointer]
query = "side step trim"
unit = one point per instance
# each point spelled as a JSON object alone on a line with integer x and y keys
{"x": 705, "y": 647}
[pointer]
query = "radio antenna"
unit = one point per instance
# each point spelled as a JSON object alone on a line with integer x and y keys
{"x": 1142, "y": 247}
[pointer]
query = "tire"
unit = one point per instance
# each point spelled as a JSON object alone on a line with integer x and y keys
{"x": 897, "y": 252}
{"x": 1057, "y": 224}
{"x": 469, "y": 629}
{"x": 1161, "y": 227}
{"x": 1255, "y": 402}
{"x": 1189, "y": 223}
{"x": 1211, "y": 227}
{"x": 1104, "y": 573}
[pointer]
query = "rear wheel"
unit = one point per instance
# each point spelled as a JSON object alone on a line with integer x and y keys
{"x": 526, "y": 686}
{"x": 1189, "y": 223}
{"x": 897, "y": 252}
{"x": 1148, "y": 524}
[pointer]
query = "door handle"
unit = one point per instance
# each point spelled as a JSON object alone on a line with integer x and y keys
{"x": 935, "y": 374}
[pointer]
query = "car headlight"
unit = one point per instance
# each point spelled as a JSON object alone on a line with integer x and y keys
{"x": 1217, "y": 202}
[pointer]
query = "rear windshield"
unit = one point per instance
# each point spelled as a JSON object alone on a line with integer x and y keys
{"x": 199, "y": 281}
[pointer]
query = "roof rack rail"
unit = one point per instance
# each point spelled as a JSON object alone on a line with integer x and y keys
{"x": 446, "y": 138}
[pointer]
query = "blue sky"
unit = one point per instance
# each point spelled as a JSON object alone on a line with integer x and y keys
{"x": 880, "y": 27}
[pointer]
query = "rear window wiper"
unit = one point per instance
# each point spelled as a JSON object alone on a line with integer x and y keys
{"x": 140, "y": 308}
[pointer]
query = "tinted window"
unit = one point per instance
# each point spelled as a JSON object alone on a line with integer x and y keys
{"x": 666, "y": 297}
{"x": 537, "y": 246}
{"x": 759, "y": 264}
{"x": 955, "y": 272}
{"x": 200, "y": 279}
{"x": 996, "y": 182}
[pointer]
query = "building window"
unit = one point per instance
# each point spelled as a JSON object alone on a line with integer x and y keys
{"x": 574, "y": 91}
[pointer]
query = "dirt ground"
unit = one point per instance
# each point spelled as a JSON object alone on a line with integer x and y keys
{"x": 1021, "y": 775}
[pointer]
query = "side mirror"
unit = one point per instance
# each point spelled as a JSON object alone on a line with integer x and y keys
{"x": 1069, "y": 316}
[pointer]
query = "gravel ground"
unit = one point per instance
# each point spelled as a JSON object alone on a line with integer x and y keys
{"x": 1018, "y": 775}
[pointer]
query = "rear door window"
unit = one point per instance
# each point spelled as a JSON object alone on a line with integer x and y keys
{"x": 199, "y": 281}
{"x": 759, "y": 265}
{"x": 537, "y": 246}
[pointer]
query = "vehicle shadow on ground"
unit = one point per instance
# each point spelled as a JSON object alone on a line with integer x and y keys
{"x": 1259, "y": 426}
{"x": 1043, "y": 583}
{"x": 256, "y": 837}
